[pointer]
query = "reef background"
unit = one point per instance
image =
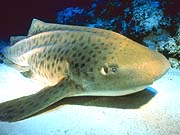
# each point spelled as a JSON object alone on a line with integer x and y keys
{"x": 153, "y": 23}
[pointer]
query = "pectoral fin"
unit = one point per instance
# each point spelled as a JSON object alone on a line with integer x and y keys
{"x": 24, "y": 107}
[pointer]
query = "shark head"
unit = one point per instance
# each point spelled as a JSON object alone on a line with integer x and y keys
{"x": 120, "y": 67}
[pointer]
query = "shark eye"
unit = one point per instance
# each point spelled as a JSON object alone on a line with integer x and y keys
{"x": 114, "y": 69}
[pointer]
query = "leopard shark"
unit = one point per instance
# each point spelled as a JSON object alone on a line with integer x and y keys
{"x": 78, "y": 61}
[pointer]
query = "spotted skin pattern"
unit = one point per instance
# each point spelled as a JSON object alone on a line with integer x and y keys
{"x": 79, "y": 61}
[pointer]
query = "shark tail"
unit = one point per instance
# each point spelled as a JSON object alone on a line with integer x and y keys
{"x": 27, "y": 106}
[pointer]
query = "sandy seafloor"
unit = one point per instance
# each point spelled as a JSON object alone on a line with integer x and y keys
{"x": 155, "y": 111}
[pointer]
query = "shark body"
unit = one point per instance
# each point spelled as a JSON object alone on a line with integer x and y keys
{"x": 79, "y": 61}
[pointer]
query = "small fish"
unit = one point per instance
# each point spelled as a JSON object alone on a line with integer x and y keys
{"x": 79, "y": 61}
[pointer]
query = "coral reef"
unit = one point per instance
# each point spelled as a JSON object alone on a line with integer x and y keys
{"x": 153, "y": 39}
{"x": 71, "y": 15}
{"x": 134, "y": 18}
{"x": 172, "y": 49}
{"x": 99, "y": 15}
{"x": 174, "y": 63}
{"x": 147, "y": 16}
{"x": 166, "y": 44}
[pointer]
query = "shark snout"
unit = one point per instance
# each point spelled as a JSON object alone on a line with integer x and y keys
{"x": 146, "y": 69}
{"x": 159, "y": 65}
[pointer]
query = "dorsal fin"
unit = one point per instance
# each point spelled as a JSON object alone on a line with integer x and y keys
{"x": 38, "y": 26}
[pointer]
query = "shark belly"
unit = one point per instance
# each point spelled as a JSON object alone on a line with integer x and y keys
{"x": 111, "y": 92}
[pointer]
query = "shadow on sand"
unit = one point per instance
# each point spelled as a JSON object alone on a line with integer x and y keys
{"x": 132, "y": 101}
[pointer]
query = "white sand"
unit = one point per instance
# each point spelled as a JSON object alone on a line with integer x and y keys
{"x": 155, "y": 111}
